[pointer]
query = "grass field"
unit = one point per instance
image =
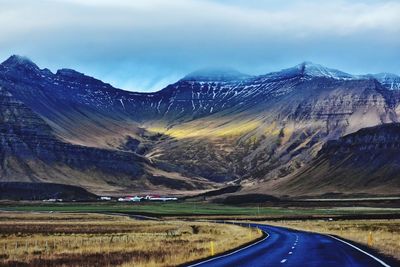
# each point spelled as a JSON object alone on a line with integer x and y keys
{"x": 382, "y": 235}
{"x": 76, "y": 234}
{"x": 191, "y": 208}
{"x": 43, "y": 239}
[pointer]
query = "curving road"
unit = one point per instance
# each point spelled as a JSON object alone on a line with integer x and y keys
{"x": 285, "y": 247}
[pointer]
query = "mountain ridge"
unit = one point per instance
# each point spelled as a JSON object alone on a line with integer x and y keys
{"x": 200, "y": 133}
{"x": 226, "y": 73}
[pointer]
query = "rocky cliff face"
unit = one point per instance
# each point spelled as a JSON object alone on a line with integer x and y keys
{"x": 221, "y": 126}
{"x": 382, "y": 137}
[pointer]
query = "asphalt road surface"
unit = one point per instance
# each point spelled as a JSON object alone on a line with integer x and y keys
{"x": 285, "y": 247}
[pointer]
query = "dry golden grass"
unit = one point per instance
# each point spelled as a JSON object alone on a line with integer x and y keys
{"x": 231, "y": 127}
{"x": 385, "y": 233}
{"x": 39, "y": 239}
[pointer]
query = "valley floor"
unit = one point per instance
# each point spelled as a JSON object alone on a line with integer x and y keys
{"x": 208, "y": 210}
{"x": 54, "y": 239}
{"x": 76, "y": 234}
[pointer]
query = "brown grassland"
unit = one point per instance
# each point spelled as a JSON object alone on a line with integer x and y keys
{"x": 44, "y": 239}
{"x": 382, "y": 235}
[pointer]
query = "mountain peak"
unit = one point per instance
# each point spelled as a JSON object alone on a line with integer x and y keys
{"x": 69, "y": 73}
{"x": 308, "y": 64}
{"x": 215, "y": 74}
{"x": 310, "y": 69}
{"x": 73, "y": 75}
{"x": 16, "y": 60}
{"x": 316, "y": 70}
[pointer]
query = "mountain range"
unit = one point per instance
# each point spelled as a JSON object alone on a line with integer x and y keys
{"x": 305, "y": 130}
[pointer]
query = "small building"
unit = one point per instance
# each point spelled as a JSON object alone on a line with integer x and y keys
{"x": 151, "y": 197}
{"x": 53, "y": 200}
{"x": 130, "y": 199}
{"x": 159, "y": 198}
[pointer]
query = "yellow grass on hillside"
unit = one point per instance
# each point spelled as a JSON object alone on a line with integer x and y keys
{"x": 383, "y": 235}
{"x": 227, "y": 130}
{"x": 98, "y": 240}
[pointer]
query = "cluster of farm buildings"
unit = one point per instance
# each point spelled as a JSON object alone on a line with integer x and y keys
{"x": 141, "y": 198}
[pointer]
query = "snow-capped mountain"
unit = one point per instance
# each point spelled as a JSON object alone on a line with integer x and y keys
{"x": 309, "y": 69}
{"x": 215, "y": 125}
{"x": 316, "y": 70}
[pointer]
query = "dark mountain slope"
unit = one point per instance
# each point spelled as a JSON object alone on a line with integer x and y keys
{"x": 80, "y": 109}
{"x": 367, "y": 161}
{"x": 41, "y": 191}
{"x": 30, "y": 152}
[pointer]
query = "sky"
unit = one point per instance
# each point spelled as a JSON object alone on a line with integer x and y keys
{"x": 144, "y": 45}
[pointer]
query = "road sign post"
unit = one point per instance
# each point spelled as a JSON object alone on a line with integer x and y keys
{"x": 370, "y": 239}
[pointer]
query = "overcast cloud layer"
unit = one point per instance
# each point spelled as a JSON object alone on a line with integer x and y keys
{"x": 144, "y": 45}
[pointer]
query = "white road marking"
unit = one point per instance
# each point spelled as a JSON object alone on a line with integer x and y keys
{"x": 290, "y": 253}
{"x": 292, "y": 247}
{"x": 229, "y": 254}
{"x": 359, "y": 249}
{"x": 283, "y": 261}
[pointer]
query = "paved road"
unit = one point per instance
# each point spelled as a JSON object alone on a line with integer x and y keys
{"x": 284, "y": 248}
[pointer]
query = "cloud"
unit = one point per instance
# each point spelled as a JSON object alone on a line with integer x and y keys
{"x": 144, "y": 44}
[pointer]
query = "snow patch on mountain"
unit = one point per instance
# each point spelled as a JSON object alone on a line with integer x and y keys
{"x": 316, "y": 70}
{"x": 389, "y": 80}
